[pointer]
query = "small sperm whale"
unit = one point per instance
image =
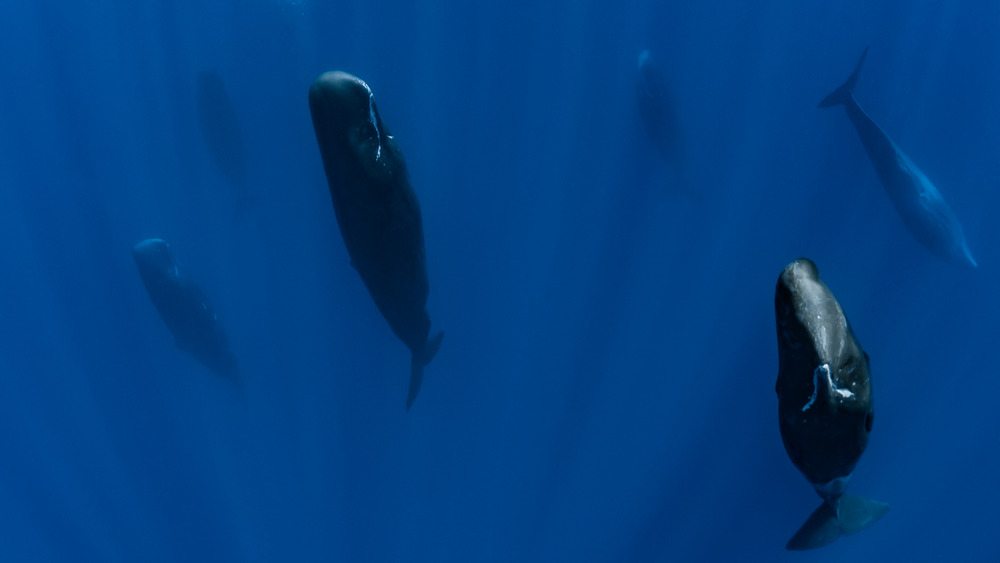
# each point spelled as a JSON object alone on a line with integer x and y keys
{"x": 920, "y": 205}
{"x": 184, "y": 307}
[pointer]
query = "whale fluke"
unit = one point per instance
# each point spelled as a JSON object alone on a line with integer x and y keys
{"x": 417, "y": 363}
{"x": 843, "y": 92}
{"x": 851, "y": 515}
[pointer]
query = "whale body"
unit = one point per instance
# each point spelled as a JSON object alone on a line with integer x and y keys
{"x": 220, "y": 127}
{"x": 377, "y": 210}
{"x": 658, "y": 111}
{"x": 825, "y": 408}
{"x": 184, "y": 308}
{"x": 919, "y": 203}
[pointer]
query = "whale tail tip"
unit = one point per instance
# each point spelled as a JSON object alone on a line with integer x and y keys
{"x": 417, "y": 363}
{"x": 842, "y": 94}
{"x": 827, "y": 523}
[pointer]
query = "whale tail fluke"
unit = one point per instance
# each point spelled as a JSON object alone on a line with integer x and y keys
{"x": 850, "y": 515}
{"x": 417, "y": 363}
{"x": 842, "y": 94}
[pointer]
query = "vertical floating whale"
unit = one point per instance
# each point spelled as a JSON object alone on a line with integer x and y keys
{"x": 825, "y": 409}
{"x": 659, "y": 114}
{"x": 376, "y": 209}
{"x": 220, "y": 127}
{"x": 920, "y": 205}
{"x": 184, "y": 307}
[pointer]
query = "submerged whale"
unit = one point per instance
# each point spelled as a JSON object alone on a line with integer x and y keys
{"x": 920, "y": 205}
{"x": 376, "y": 209}
{"x": 184, "y": 307}
{"x": 659, "y": 113}
{"x": 825, "y": 409}
{"x": 220, "y": 127}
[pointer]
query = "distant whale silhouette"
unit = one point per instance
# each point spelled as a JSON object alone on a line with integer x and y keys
{"x": 220, "y": 127}
{"x": 184, "y": 307}
{"x": 376, "y": 209}
{"x": 920, "y": 205}
{"x": 658, "y": 111}
{"x": 825, "y": 409}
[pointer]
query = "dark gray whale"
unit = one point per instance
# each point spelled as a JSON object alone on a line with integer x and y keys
{"x": 376, "y": 209}
{"x": 825, "y": 409}
{"x": 184, "y": 307}
{"x": 920, "y": 205}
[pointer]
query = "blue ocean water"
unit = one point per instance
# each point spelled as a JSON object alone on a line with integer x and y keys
{"x": 605, "y": 389}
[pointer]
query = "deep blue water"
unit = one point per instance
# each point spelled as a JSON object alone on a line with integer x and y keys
{"x": 605, "y": 389}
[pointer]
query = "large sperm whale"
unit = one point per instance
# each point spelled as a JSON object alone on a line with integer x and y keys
{"x": 825, "y": 408}
{"x": 376, "y": 209}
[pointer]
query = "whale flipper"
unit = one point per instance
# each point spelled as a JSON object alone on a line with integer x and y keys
{"x": 826, "y": 524}
{"x": 417, "y": 363}
{"x": 843, "y": 92}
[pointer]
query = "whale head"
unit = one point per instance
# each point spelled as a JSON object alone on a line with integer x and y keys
{"x": 816, "y": 342}
{"x": 652, "y": 83}
{"x": 346, "y": 118}
{"x": 153, "y": 257}
{"x": 805, "y": 311}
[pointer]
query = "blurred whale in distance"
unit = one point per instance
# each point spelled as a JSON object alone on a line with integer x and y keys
{"x": 184, "y": 307}
{"x": 376, "y": 209}
{"x": 918, "y": 202}
{"x": 220, "y": 127}
{"x": 825, "y": 409}
{"x": 658, "y": 111}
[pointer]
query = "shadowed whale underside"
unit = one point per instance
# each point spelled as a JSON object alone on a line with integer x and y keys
{"x": 920, "y": 205}
{"x": 184, "y": 307}
{"x": 825, "y": 409}
{"x": 376, "y": 209}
